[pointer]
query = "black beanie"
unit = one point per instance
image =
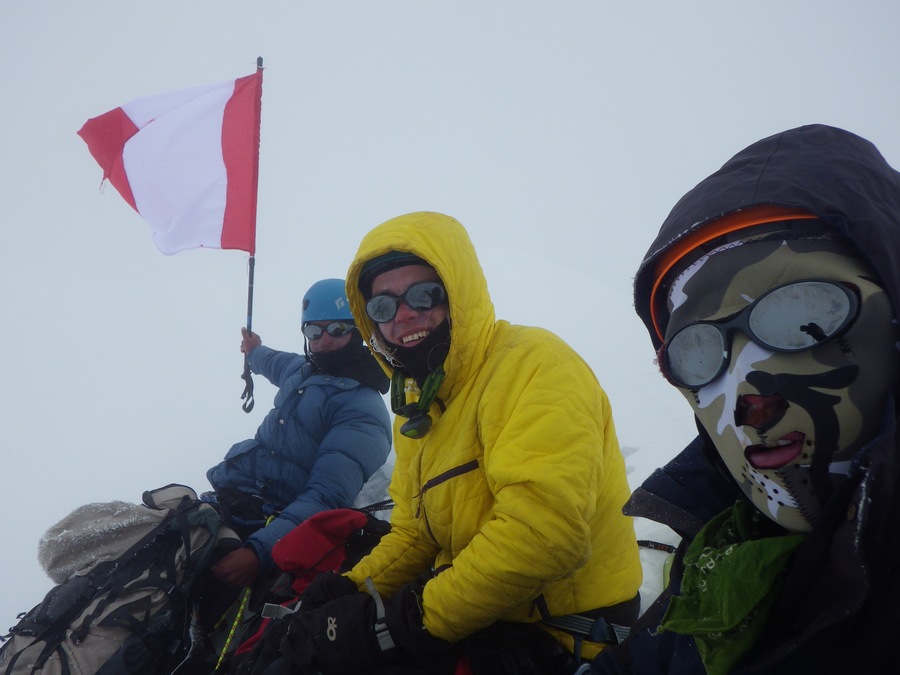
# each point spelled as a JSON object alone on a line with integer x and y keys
{"x": 381, "y": 264}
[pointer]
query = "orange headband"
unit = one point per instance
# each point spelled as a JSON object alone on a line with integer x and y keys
{"x": 738, "y": 220}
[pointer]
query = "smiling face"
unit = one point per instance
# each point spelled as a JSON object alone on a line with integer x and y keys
{"x": 771, "y": 414}
{"x": 409, "y": 326}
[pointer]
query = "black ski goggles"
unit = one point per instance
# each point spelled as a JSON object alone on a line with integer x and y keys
{"x": 422, "y": 296}
{"x": 336, "y": 329}
{"x": 791, "y": 318}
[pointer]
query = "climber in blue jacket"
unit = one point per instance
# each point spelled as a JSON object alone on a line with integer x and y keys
{"x": 328, "y": 432}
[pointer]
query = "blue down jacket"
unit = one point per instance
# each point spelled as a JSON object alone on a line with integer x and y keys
{"x": 324, "y": 437}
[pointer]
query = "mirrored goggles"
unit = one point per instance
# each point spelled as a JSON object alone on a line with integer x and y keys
{"x": 336, "y": 329}
{"x": 422, "y": 296}
{"x": 791, "y": 318}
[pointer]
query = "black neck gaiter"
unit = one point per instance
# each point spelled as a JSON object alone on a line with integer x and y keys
{"x": 427, "y": 356}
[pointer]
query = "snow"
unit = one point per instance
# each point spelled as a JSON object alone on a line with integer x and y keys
{"x": 91, "y": 534}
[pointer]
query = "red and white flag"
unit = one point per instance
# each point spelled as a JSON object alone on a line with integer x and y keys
{"x": 187, "y": 162}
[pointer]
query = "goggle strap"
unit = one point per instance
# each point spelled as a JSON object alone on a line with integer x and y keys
{"x": 689, "y": 241}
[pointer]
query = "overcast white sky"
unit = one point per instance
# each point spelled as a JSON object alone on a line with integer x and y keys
{"x": 559, "y": 133}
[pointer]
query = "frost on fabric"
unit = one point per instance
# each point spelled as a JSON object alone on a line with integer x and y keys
{"x": 91, "y": 534}
{"x": 376, "y": 489}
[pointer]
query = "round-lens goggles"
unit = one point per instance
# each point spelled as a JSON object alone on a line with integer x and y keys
{"x": 791, "y": 318}
{"x": 336, "y": 329}
{"x": 422, "y": 296}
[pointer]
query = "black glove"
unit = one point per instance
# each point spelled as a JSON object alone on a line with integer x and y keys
{"x": 265, "y": 657}
{"x": 505, "y": 648}
{"x": 324, "y": 588}
{"x": 338, "y": 637}
{"x": 403, "y": 616}
{"x": 352, "y": 634}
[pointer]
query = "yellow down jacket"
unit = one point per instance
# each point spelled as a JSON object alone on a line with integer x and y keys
{"x": 519, "y": 486}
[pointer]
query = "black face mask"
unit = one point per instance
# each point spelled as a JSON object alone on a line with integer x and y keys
{"x": 353, "y": 360}
{"x": 427, "y": 356}
{"x": 331, "y": 362}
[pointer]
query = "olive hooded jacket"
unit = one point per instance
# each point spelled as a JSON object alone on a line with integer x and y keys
{"x": 837, "y": 610}
{"x": 515, "y": 495}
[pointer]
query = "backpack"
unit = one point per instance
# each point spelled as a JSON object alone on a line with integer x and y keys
{"x": 123, "y": 599}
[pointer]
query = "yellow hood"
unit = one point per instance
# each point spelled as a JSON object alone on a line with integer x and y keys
{"x": 445, "y": 244}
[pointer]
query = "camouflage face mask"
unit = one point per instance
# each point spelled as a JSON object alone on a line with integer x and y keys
{"x": 802, "y": 359}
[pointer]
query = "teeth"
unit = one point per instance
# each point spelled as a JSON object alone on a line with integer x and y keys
{"x": 780, "y": 444}
{"x": 415, "y": 336}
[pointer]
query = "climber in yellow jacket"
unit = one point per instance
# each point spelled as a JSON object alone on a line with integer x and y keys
{"x": 508, "y": 483}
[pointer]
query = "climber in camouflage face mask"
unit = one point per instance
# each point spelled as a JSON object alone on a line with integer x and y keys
{"x": 783, "y": 343}
{"x": 770, "y": 295}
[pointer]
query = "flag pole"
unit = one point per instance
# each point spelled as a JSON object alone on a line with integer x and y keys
{"x": 247, "y": 376}
{"x": 247, "y": 396}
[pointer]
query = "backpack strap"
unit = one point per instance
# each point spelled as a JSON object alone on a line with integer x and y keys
{"x": 46, "y": 652}
{"x": 593, "y": 629}
{"x": 382, "y": 634}
{"x": 113, "y": 585}
{"x": 606, "y": 625}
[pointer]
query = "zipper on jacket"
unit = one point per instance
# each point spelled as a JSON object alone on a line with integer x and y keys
{"x": 437, "y": 480}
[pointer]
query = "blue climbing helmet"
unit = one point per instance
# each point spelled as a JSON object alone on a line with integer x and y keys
{"x": 326, "y": 300}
